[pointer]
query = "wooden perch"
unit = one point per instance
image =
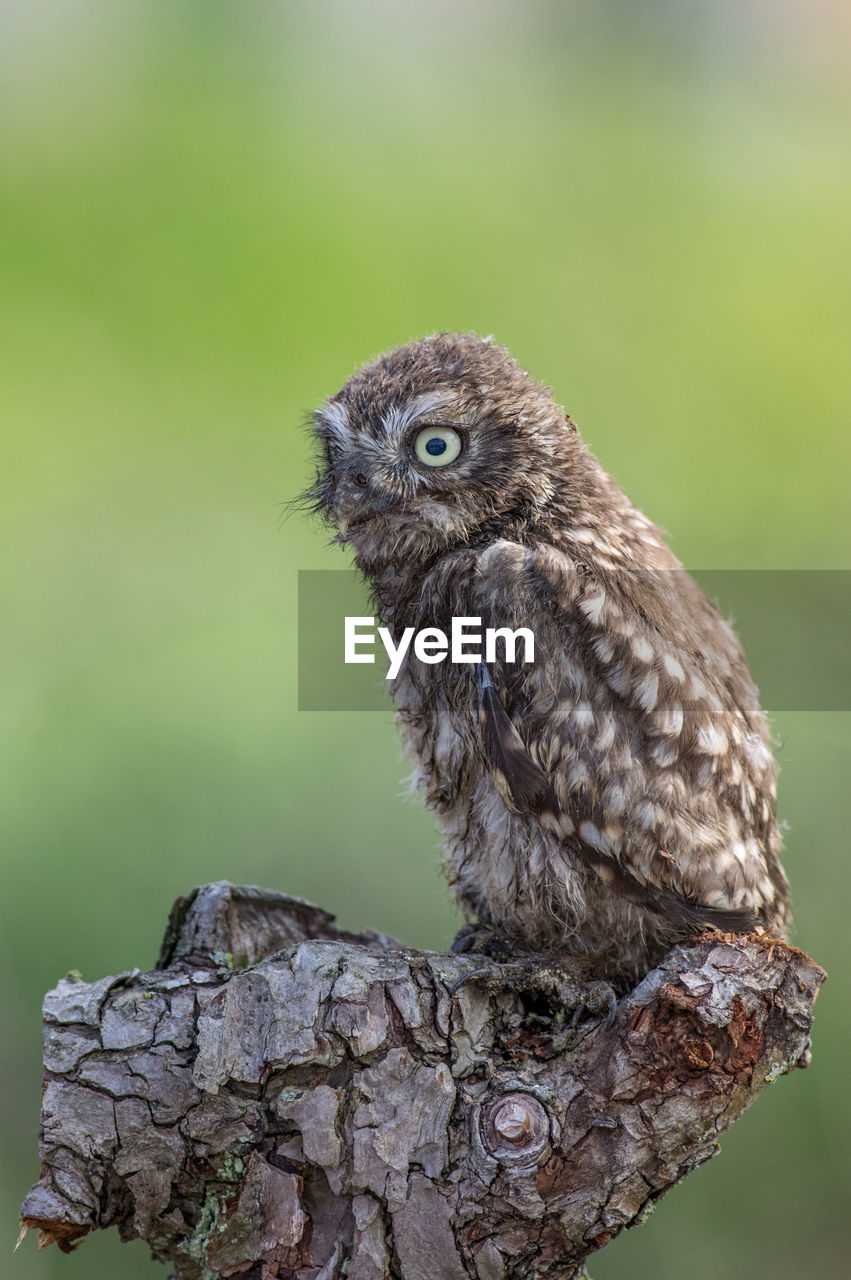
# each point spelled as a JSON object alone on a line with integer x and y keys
{"x": 279, "y": 1099}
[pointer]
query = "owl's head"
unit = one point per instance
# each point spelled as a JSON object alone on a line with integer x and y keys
{"x": 434, "y": 444}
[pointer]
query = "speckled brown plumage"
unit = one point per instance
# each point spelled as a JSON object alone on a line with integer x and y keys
{"x": 619, "y": 792}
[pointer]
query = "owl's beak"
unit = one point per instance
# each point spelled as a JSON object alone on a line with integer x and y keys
{"x": 349, "y": 510}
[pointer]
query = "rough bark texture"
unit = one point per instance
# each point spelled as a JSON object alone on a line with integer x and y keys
{"x": 281, "y": 1099}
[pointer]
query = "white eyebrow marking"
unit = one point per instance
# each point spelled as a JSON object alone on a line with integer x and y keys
{"x": 335, "y": 419}
{"x": 400, "y": 417}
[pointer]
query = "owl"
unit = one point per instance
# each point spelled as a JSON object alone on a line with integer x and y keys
{"x": 616, "y": 794}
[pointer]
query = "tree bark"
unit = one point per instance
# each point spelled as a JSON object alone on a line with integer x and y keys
{"x": 280, "y": 1099}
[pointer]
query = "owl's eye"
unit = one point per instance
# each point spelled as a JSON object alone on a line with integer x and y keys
{"x": 437, "y": 446}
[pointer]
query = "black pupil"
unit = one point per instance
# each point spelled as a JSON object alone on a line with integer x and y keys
{"x": 435, "y": 446}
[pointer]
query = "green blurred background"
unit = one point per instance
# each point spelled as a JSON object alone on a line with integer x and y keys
{"x": 209, "y": 214}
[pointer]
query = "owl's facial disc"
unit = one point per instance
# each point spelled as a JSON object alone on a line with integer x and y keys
{"x": 432, "y": 444}
{"x": 392, "y": 468}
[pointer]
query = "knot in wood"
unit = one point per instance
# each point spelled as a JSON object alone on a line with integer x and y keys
{"x": 516, "y": 1127}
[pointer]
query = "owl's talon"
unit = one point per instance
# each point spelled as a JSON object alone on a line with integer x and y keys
{"x": 464, "y": 940}
{"x": 466, "y": 977}
{"x": 477, "y": 939}
{"x": 598, "y": 998}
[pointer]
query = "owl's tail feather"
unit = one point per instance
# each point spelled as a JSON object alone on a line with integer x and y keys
{"x": 687, "y": 914}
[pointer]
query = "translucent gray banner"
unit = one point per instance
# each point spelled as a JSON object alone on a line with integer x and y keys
{"x": 794, "y": 626}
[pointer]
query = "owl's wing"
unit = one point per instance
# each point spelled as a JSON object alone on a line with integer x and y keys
{"x": 520, "y": 779}
{"x": 545, "y": 729}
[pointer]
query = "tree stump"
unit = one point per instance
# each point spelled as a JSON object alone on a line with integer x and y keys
{"x": 281, "y": 1099}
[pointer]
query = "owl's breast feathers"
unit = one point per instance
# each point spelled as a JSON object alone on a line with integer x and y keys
{"x": 635, "y": 739}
